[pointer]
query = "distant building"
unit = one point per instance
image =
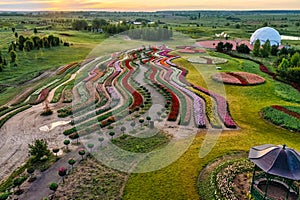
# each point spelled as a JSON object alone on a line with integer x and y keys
{"x": 264, "y": 34}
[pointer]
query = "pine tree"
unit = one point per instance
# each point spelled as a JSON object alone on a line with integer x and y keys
{"x": 256, "y": 48}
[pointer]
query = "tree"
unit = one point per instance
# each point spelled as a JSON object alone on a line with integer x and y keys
{"x": 123, "y": 129}
{"x": 91, "y": 146}
{"x": 71, "y": 162}
{"x": 274, "y": 50}
{"x": 30, "y": 171}
{"x": 18, "y": 182}
{"x": 148, "y": 118}
{"x": 112, "y": 133}
{"x": 74, "y": 136}
{"x": 80, "y": 25}
{"x": 256, "y": 48}
{"x": 21, "y": 42}
{"x": 101, "y": 139}
{"x": 62, "y": 172}
{"x": 39, "y": 149}
{"x": 55, "y": 150}
{"x": 35, "y": 31}
{"x": 98, "y": 23}
{"x": 16, "y": 35}
{"x": 266, "y": 49}
{"x": 295, "y": 60}
{"x": 141, "y": 120}
{"x": 243, "y": 48}
{"x": 53, "y": 186}
{"x": 13, "y": 29}
{"x": 4, "y": 196}
{"x": 82, "y": 153}
{"x": 67, "y": 142}
{"x": 132, "y": 124}
{"x": 28, "y": 45}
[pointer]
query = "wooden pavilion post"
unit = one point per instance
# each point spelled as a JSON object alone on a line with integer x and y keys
{"x": 267, "y": 186}
{"x": 253, "y": 179}
{"x": 288, "y": 191}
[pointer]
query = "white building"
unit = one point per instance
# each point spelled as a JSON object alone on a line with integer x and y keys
{"x": 264, "y": 34}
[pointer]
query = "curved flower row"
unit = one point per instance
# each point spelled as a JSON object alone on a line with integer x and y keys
{"x": 106, "y": 75}
{"x": 113, "y": 94}
{"x": 65, "y": 68}
{"x": 222, "y": 107}
{"x": 210, "y": 109}
{"x": 198, "y": 106}
{"x": 43, "y": 95}
{"x": 137, "y": 97}
{"x": 174, "y": 100}
{"x": 239, "y": 78}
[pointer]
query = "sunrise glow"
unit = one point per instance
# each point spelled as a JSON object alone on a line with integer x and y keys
{"x": 131, "y": 5}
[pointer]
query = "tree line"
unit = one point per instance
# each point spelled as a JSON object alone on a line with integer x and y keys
{"x": 289, "y": 65}
{"x": 24, "y": 43}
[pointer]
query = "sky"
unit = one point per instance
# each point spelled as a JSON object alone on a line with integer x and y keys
{"x": 147, "y": 5}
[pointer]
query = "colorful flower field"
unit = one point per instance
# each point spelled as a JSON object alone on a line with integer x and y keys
{"x": 118, "y": 92}
{"x": 238, "y": 78}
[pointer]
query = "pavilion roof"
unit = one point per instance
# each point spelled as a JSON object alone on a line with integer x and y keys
{"x": 277, "y": 160}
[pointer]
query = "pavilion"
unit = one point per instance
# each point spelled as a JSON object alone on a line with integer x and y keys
{"x": 276, "y": 173}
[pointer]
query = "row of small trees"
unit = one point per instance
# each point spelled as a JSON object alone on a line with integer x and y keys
{"x": 34, "y": 42}
{"x": 151, "y": 34}
{"x": 264, "y": 50}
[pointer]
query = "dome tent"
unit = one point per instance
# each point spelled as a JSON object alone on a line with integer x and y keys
{"x": 265, "y": 33}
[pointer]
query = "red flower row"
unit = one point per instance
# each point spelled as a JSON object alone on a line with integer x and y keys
{"x": 43, "y": 95}
{"x": 175, "y": 102}
{"x": 287, "y": 111}
{"x": 66, "y": 68}
{"x": 137, "y": 97}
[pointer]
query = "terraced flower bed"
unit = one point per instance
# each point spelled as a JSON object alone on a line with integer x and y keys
{"x": 287, "y": 117}
{"x": 238, "y": 78}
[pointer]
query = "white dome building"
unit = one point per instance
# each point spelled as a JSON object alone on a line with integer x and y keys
{"x": 265, "y": 33}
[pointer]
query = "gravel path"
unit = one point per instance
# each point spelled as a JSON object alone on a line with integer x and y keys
{"x": 40, "y": 187}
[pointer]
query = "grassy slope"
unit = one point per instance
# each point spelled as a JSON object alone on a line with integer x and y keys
{"x": 31, "y": 63}
{"x": 178, "y": 181}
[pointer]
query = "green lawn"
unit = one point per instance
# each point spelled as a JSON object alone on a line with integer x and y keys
{"x": 31, "y": 64}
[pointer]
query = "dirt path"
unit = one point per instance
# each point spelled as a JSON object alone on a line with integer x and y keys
{"x": 40, "y": 187}
{"x": 21, "y": 130}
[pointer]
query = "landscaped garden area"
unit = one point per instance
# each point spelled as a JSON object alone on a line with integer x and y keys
{"x": 135, "y": 118}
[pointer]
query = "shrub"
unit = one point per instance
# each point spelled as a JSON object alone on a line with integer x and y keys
{"x": 53, "y": 186}
{"x": 4, "y": 196}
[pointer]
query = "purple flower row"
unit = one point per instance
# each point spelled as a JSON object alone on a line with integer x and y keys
{"x": 222, "y": 107}
{"x": 199, "y": 115}
{"x": 117, "y": 66}
{"x": 169, "y": 61}
{"x": 92, "y": 74}
{"x": 113, "y": 94}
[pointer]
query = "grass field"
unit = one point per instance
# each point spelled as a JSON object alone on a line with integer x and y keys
{"x": 35, "y": 62}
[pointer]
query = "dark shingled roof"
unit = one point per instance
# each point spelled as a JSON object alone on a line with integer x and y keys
{"x": 277, "y": 160}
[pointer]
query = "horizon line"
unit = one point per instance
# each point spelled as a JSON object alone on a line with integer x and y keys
{"x": 163, "y": 10}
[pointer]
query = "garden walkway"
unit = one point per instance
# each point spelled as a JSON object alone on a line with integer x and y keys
{"x": 40, "y": 187}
